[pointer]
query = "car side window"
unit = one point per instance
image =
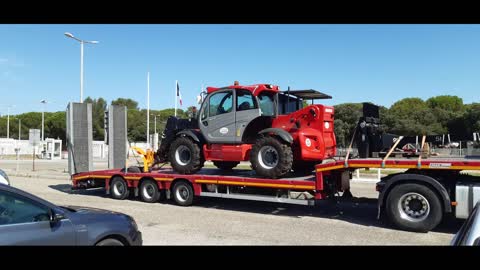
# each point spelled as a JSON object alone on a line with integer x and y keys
{"x": 245, "y": 100}
{"x": 15, "y": 209}
{"x": 221, "y": 103}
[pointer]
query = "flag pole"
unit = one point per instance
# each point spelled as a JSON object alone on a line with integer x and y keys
{"x": 176, "y": 94}
{"x": 148, "y": 109}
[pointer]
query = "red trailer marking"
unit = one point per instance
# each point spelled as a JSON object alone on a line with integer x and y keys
{"x": 91, "y": 176}
{"x": 235, "y": 183}
{"x": 401, "y": 164}
{"x": 163, "y": 179}
{"x": 330, "y": 168}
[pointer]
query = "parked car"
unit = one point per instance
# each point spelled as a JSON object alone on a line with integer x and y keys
{"x": 4, "y": 178}
{"x": 469, "y": 233}
{"x": 28, "y": 220}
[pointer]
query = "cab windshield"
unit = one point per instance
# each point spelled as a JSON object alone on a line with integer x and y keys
{"x": 267, "y": 103}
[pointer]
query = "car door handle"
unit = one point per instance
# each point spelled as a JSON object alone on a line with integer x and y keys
{"x": 205, "y": 123}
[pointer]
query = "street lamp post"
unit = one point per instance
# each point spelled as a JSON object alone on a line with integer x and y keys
{"x": 81, "y": 59}
{"x": 8, "y": 122}
{"x": 43, "y": 119}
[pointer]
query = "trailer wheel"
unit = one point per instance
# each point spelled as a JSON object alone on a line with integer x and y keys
{"x": 183, "y": 193}
{"x": 226, "y": 165}
{"x": 414, "y": 207}
{"x": 185, "y": 156}
{"x": 149, "y": 191}
{"x": 271, "y": 158}
{"x": 119, "y": 189}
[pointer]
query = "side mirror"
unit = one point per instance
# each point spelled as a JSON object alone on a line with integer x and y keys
{"x": 476, "y": 242}
{"x": 199, "y": 99}
{"x": 54, "y": 217}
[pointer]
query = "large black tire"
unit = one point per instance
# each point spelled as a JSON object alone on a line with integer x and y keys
{"x": 271, "y": 158}
{"x": 119, "y": 189}
{"x": 149, "y": 191}
{"x": 185, "y": 156}
{"x": 110, "y": 242}
{"x": 182, "y": 193}
{"x": 226, "y": 165}
{"x": 414, "y": 207}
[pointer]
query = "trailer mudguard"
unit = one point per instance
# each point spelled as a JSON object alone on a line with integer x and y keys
{"x": 285, "y": 136}
{"x": 418, "y": 178}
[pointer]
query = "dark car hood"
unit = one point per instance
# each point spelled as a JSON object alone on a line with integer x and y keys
{"x": 90, "y": 210}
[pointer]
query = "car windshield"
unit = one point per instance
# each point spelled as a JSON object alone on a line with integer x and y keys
{"x": 267, "y": 103}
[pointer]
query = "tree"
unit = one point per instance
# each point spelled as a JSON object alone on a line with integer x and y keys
{"x": 463, "y": 126}
{"x": 446, "y": 102}
{"x": 55, "y": 126}
{"x": 446, "y": 109}
{"x": 99, "y": 106}
{"x": 346, "y": 119}
{"x": 412, "y": 116}
{"x": 130, "y": 103}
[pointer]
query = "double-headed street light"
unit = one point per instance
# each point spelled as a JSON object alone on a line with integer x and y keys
{"x": 70, "y": 35}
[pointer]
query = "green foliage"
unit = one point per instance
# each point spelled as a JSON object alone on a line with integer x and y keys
{"x": 346, "y": 118}
{"x": 99, "y": 106}
{"x": 409, "y": 116}
{"x": 130, "y": 103}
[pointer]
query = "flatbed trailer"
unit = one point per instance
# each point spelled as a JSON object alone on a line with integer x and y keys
{"x": 417, "y": 199}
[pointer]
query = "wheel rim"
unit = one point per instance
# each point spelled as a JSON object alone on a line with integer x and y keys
{"x": 268, "y": 157}
{"x": 118, "y": 189}
{"x": 413, "y": 207}
{"x": 182, "y": 193}
{"x": 148, "y": 191}
{"x": 183, "y": 155}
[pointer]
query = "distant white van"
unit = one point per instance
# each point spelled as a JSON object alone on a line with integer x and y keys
{"x": 4, "y": 178}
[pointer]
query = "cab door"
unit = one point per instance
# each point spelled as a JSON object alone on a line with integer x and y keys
{"x": 217, "y": 117}
{"x": 247, "y": 110}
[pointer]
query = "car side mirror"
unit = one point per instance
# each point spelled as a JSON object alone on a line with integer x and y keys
{"x": 55, "y": 217}
{"x": 477, "y": 242}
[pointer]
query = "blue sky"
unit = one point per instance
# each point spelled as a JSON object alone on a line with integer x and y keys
{"x": 352, "y": 63}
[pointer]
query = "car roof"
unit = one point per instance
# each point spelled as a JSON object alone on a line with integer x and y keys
{"x": 26, "y": 194}
{"x": 256, "y": 89}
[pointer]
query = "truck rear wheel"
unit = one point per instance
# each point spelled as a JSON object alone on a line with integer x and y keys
{"x": 226, "y": 165}
{"x": 414, "y": 207}
{"x": 149, "y": 191}
{"x": 182, "y": 193}
{"x": 271, "y": 158}
{"x": 185, "y": 156}
{"x": 119, "y": 189}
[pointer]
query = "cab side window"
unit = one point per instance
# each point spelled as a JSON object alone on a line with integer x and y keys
{"x": 204, "y": 112}
{"x": 220, "y": 103}
{"x": 245, "y": 100}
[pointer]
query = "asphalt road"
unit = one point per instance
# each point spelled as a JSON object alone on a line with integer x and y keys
{"x": 213, "y": 221}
